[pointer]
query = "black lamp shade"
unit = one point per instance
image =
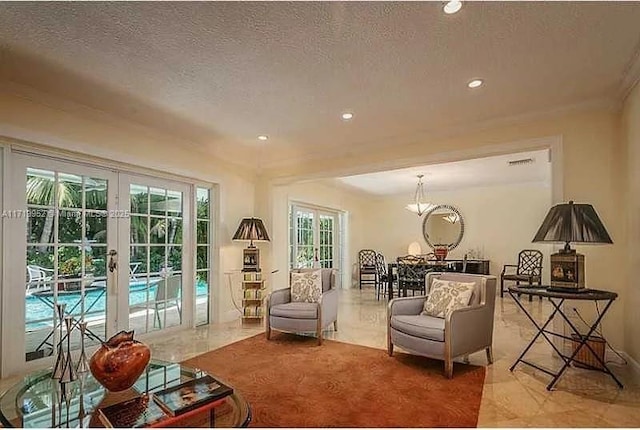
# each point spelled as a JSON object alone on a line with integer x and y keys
{"x": 251, "y": 229}
{"x": 570, "y": 222}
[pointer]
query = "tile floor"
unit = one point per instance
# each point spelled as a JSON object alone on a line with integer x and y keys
{"x": 519, "y": 399}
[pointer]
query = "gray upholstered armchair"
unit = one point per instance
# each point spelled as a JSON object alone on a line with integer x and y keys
{"x": 285, "y": 315}
{"x": 461, "y": 333}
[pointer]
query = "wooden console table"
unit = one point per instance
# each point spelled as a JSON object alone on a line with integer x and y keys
{"x": 557, "y": 299}
{"x": 475, "y": 267}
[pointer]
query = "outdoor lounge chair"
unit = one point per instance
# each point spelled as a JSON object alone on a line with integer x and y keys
{"x": 38, "y": 279}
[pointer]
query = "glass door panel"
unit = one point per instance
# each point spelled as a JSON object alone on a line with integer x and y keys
{"x": 155, "y": 242}
{"x": 203, "y": 253}
{"x": 304, "y": 245}
{"x": 67, "y": 235}
{"x": 326, "y": 233}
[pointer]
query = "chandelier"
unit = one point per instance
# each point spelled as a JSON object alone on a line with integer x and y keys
{"x": 420, "y": 206}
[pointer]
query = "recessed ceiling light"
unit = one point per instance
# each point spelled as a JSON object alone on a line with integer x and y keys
{"x": 475, "y": 83}
{"x": 452, "y": 7}
{"x": 347, "y": 116}
{"x": 263, "y": 137}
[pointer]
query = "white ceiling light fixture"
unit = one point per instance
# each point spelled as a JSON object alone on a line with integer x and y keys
{"x": 263, "y": 137}
{"x": 419, "y": 206}
{"x": 452, "y": 218}
{"x": 347, "y": 116}
{"x": 452, "y": 7}
{"x": 475, "y": 83}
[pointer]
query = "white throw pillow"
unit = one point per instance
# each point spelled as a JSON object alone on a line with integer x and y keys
{"x": 446, "y": 296}
{"x": 306, "y": 286}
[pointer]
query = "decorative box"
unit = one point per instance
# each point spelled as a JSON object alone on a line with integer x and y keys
{"x": 567, "y": 270}
{"x": 251, "y": 260}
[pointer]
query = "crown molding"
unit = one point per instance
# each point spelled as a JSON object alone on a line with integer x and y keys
{"x": 630, "y": 75}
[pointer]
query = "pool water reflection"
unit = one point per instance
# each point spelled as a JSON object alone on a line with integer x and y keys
{"x": 39, "y": 313}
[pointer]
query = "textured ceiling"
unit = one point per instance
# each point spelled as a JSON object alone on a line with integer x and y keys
{"x": 219, "y": 74}
{"x": 457, "y": 175}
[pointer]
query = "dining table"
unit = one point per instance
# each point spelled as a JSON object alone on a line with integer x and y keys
{"x": 427, "y": 266}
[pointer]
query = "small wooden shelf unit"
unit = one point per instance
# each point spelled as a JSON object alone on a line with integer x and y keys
{"x": 252, "y": 296}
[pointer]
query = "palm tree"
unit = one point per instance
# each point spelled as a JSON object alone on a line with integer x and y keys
{"x": 42, "y": 191}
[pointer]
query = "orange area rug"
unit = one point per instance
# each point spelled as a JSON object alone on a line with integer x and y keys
{"x": 291, "y": 382}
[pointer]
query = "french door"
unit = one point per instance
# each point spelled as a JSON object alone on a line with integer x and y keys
{"x": 107, "y": 246}
{"x": 314, "y": 238}
{"x": 155, "y": 233}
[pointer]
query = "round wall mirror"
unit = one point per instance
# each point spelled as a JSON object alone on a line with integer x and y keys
{"x": 443, "y": 226}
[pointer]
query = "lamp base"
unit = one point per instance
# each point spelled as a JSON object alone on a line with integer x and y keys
{"x": 567, "y": 270}
{"x": 251, "y": 259}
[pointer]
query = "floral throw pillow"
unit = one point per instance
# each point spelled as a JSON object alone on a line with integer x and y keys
{"x": 446, "y": 296}
{"x": 306, "y": 286}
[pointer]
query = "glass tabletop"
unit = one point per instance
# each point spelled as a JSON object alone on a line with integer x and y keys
{"x": 39, "y": 401}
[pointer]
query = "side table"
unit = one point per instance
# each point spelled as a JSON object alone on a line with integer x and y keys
{"x": 557, "y": 300}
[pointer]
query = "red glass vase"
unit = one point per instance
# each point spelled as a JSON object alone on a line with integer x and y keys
{"x": 441, "y": 252}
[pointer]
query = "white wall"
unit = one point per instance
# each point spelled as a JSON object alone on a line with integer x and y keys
{"x": 631, "y": 134}
{"x": 499, "y": 220}
{"x": 318, "y": 193}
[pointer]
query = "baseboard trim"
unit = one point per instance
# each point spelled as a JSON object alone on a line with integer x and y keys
{"x": 633, "y": 364}
{"x": 231, "y": 316}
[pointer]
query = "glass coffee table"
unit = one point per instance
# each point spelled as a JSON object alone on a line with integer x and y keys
{"x": 38, "y": 401}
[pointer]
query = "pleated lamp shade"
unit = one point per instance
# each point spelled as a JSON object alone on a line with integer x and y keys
{"x": 572, "y": 223}
{"x": 251, "y": 229}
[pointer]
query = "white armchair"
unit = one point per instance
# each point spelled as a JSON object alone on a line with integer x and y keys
{"x": 285, "y": 315}
{"x": 461, "y": 333}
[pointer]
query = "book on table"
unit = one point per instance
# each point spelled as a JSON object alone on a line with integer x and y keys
{"x": 140, "y": 411}
{"x": 191, "y": 395}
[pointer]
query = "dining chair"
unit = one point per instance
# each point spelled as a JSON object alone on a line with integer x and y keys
{"x": 528, "y": 270}
{"x": 368, "y": 272}
{"x": 382, "y": 276}
{"x": 411, "y": 274}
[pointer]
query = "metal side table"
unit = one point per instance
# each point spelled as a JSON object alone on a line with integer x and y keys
{"x": 557, "y": 300}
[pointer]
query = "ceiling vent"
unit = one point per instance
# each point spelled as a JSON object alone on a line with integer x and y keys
{"x": 521, "y": 162}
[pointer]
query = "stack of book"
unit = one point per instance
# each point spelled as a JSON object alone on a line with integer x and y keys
{"x": 254, "y": 294}
{"x": 252, "y": 276}
{"x": 171, "y": 402}
{"x": 252, "y": 311}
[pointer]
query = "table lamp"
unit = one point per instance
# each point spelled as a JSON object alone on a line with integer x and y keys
{"x": 251, "y": 229}
{"x": 570, "y": 222}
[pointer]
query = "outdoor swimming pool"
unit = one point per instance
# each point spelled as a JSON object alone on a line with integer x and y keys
{"x": 39, "y": 313}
